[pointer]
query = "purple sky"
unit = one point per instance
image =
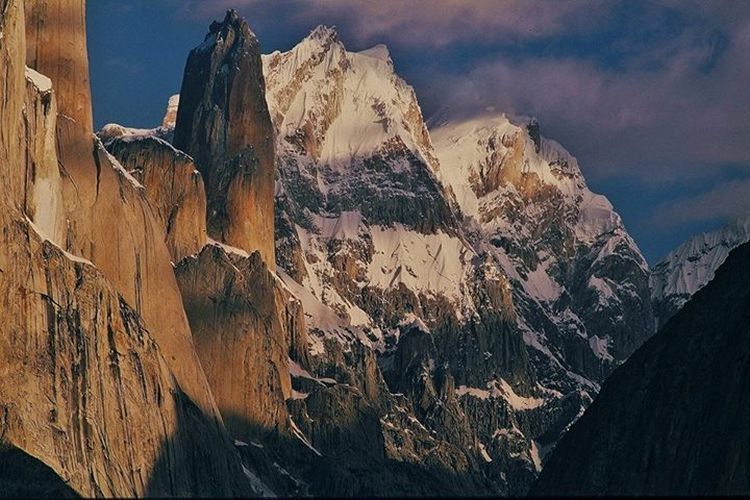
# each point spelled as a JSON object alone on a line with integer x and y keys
{"x": 653, "y": 97}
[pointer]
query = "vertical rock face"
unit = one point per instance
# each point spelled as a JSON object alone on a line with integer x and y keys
{"x": 86, "y": 392}
{"x": 56, "y": 47}
{"x": 673, "y": 419}
{"x": 174, "y": 189}
{"x": 112, "y": 224}
{"x": 12, "y": 85}
{"x": 224, "y": 124}
{"x": 245, "y": 326}
{"x": 108, "y": 218}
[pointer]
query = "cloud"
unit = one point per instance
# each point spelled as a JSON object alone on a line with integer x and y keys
{"x": 669, "y": 110}
{"x": 654, "y": 90}
{"x": 434, "y": 23}
{"x": 724, "y": 202}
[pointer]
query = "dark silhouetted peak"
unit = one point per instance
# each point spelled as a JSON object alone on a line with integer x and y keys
{"x": 232, "y": 23}
{"x": 672, "y": 419}
{"x": 535, "y": 133}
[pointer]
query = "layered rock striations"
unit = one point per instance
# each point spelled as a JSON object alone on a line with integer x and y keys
{"x": 223, "y": 123}
{"x": 671, "y": 420}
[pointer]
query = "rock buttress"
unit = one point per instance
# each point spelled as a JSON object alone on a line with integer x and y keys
{"x": 224, "y": 124}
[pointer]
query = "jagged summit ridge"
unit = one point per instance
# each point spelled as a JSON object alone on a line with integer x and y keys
{"x": 559, "y": 241}
{"x": 335, "y": 104}
{"x": 222, "y": 32}
{"x": 324, "y": 35}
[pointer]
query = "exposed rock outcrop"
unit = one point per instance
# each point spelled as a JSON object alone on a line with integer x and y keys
{"x": 174, "y": 189}
{"x": 87, "y": 393}
{"x": 672, "y": 419}
{"x": 86, "y": 389}
{"x": 364, "y": 440}
{"x": 246, "y": 325}
{"x": 224, "y": 124}
{"x": 109, "y": 219}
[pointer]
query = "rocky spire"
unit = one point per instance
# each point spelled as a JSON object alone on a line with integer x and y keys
{"x": 223, "y": 122}
{"x": 534, "y": 133}
{"x": 56, "y": 47}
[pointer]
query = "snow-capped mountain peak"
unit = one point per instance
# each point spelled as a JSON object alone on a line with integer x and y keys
{"x": 334, "y": 104}
{"x": 484, "y": 155}
{"x": 690, "y": 266}
{"x": 556, "y": 239}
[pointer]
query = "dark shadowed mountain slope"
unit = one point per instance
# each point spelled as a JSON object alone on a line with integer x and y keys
{"x": 673, "y": 419}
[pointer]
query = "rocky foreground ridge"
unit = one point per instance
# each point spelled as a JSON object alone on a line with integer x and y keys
{"x": 291, "y": 286}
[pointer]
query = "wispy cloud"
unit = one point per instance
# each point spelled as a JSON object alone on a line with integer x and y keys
{"x": 725, "y": 201}
{"x": 665, "y": 95}
{"x": 433, "y": 23}
{"x": 669, "y": 110}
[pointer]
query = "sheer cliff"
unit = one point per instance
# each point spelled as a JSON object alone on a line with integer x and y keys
{"x": 92, "y": 391}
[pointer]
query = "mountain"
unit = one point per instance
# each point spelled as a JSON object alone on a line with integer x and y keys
{"x": 690, "y": 266}
{"x": 246, "y": 326}
{"x": 291, "y": 285}
{"x": 480, "y": 271}
{"x": 369, "y": 240}
{"x": 671, "y": 420}
{"x": 580, "y": 282}
{"x": 222, "y": 121}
